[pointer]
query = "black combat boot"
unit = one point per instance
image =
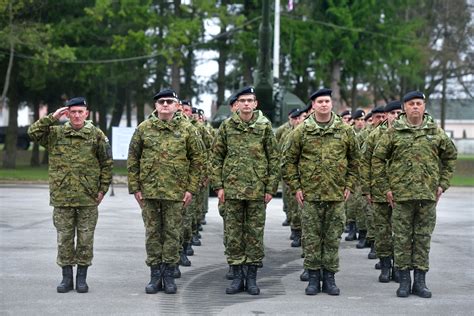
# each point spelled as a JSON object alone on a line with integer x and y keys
{"x": 67, "y": 284}
{"x": 155, "y": 283}
{"x": 168, "y": 279}
{"x": 378, "y": 265}
{"x": 372, "y": 254}
{"x": 252, "y": 287}
{"x": 329, "y": 283}
{"x": 237, "y": 284}
{"x": 195, "y": 241}
{"x": 419, "y": 285}
{"x": 304, "y": 276}
{"x": 292, "y": 234}
{"x": 189, "y": 249}
{"x": 351, "y": 234}
{"x": 297, "y": 240}
{"x": 405, "y": 283}
{"x": 176, "y": 272}
{"x": 314, "y": 285}
{"x": 395, "y": 274}
{"x": 362, "y": 241}
{"x": 285, "y": 222}
{"x": 183, "y": 259}
{"x": 203, "y": 221}
{"x": 81, "y": 275}
{"x": 230, "y": 274}
{"x": 386, "y": 264}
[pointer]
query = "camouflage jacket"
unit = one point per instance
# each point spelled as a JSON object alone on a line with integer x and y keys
{"x": 245, "y": 158}
{"x": 165, "y": 159}
{"x": 370, "y": 181}
{"x": 282, "y": 129}
{"x": 80, "y": 161}
{"x": 420, "y": 160}
{"x": 321, "y": 161}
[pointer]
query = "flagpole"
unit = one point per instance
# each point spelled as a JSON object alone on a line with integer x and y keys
{"x": 276, "y": 42}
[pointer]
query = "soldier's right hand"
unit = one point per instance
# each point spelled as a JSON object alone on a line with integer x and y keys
{"x": 220, "y": 196}
{"x": 390, "y": 199}
{"x": 299, "y": 198}
{"x": 139, "y": 198}
{"x": 60, "y": 112}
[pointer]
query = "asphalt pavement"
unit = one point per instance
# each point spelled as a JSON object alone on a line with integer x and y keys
{"x": 117, "y": 278}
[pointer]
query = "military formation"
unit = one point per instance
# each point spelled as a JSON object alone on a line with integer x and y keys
{"x": 376, "y": 176}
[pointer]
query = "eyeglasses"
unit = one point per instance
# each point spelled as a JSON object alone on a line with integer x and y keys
{"x": 167, "y": 101}
{"x": 242, "y": 101}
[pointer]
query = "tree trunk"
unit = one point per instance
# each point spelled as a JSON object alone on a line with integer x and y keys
{"x": 9, "y": 157}
{"x": 354, "y": 93}
{"x": 221, "y": 64}
{"x": 129, "y": 109}
{"x": 335, "y": 81}
{"x": 35, "y": 158}
{"x": 3, "y": 102}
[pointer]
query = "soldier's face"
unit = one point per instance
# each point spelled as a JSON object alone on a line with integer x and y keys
{"x": 247, "y": 103}
{"x": 294, "y": 121}
{"x": 359, "y": 123}
{"x": 322, "y": 105}
{"x": 346, "y": 119}
{"x": 393, "y": 115}
{"x": 166, "y": 106}
{"x": 234, "y": 107}
{"x": 187, "y": 110}
{"x": 414, "y": 108}
{"x": 77, "y": 116}
{"x": 378, "y": 118}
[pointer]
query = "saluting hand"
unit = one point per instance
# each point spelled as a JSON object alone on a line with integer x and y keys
{"x": 60, "y": 112}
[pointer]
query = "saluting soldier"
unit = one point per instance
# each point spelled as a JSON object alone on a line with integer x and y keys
{"x": 165, "y": 160}
{"x": 245, "y": 176}
{"x": 320, "y": 164}
{"x": 415, "y": 160}
{"x": 80, "y": 172}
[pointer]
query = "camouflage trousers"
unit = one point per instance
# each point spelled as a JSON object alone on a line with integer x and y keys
{"x": 370, "y": 222}
{"x": 360, "y": 209}
{"x": 244, "y": 226}
{"x": 69, "y": 221}
{"x": 187, "y": 228}
{"x": 323, "y": 224}
{"x": 294, "y": 213}
{"x": 355, "y": 205}
{"x": 413, "y": 223}
{"x": 285, "y": 194}
{"x": 383, "y": 229}
{"x": 222, "y": 214}
{"x": 198, "y": 206}
{"x": 163, "y": 225}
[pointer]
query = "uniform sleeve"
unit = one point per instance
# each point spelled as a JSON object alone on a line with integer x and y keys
{"x": 353, "y": 161}
{"x": 196, "y": 154}
{"x": 365, "y": 163}
{"x": 273, "y": 158}
{"x": 290, "y": 160}
{"x": 39, "y": 131}
{"x": 133, "y": 162}
{"x": 381, "y": 154}
{"x": 219, "y": 152}
{"x": 448, "y": 155}
{"x": 104, "y": 155}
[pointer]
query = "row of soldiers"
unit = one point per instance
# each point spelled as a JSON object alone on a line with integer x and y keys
{"x": 173, "y": 158}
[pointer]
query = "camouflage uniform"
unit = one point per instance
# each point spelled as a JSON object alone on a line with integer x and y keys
{"x": 80, "y": 166}
{"x": 245, "y": 164}
{"x": 420, "y": 160}
{"x": 280, "y": 132}
{"x": 165, "y": 160}
{"x": 321, "y": 161}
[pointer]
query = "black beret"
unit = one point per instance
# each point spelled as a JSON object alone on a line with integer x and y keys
{"x": 307, "y": 108}
{"x": 378, "y": 109}
{"x": 367, "y": 116}
{"x": 186, "y": 102}
{"x": 297, "y": 113}
{"x": 393, "y": 105}
{"x": 246, "y": 90}
{"x": 344, "y": 113}
{"x": 413, "y": 95}
{"x": 293, "y": 111}
{"x": 194, "y": 110}
{"x": 79, "y": 101}
{"x": 320, "y": 93}
{"x": 357, "y": 114}
{"x": 170, "y": 93}
{"x": 200, "y": 111}
{"x": 232, "y": 99}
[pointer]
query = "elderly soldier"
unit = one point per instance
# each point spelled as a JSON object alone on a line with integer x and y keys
{"x": 164, "y": 162}
{"x": 320, "y": 165}
{"x": 382, "y": 212}
{"x": 245, "y": 176}
{"x": 416, "y": 160}
{"x": 80, "y": 172}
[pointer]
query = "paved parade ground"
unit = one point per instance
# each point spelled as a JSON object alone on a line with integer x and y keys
{"x": 117, "y": 278}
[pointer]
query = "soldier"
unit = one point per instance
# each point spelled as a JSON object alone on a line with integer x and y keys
{"x": 346, "y": 117}
{"x": 320, "y": 165}
{"x": 80, "y": 172}
{"x": 356, "y": 203}
{"x": 420, "y": 158}
{"x": 164, "y": 162}
{"x": 245, "y": 176}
